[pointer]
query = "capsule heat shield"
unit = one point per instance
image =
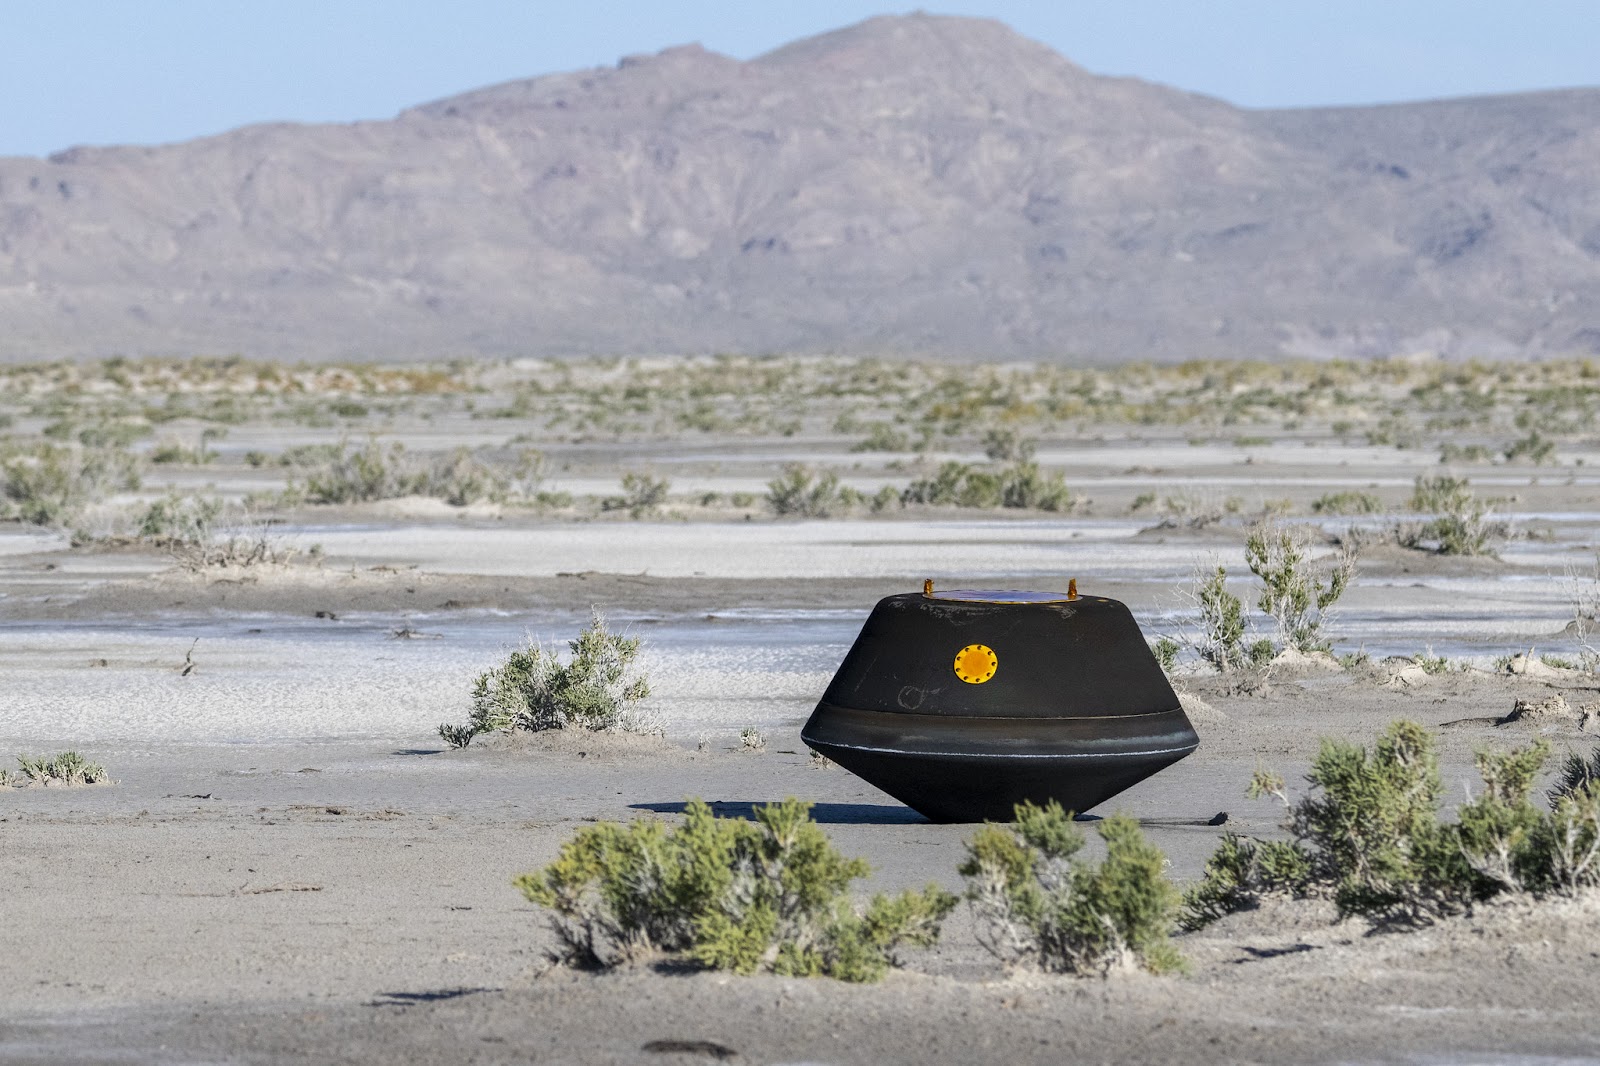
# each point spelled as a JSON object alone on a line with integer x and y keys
{"x": 963, "y": 704}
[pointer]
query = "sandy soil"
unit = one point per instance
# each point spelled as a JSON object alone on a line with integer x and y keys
{"x": 291, "y": 867}
{"x": 347, "y": 898}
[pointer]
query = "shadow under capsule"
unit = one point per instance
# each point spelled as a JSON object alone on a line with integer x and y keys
{"x": 822, "y": 813}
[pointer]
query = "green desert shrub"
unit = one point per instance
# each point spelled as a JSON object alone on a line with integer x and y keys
{"x": 1368, "y": 835}
{"x": 1462, "y": 523}
{"x": 1196, "y": 510}
{"x": 1166, "y": 650}
{"x": 1039, "y": 905}
{"x": 1464, "y": 453}
{"x": 1241, "y": 873}
{"x": 799, "y": 493}
{"x": 948, "y": 487}
{"x": 727, "y": 894}
{"x": 1371, "y": 825}
{"x": 1577, "y": 774}
{"x": 189, "y": 527}
{"x": 311, "y": 455}
{"x": 1007, "y": 446}
{"x": 175, "y": 452}
{"x": 1294, "y": 595}
{"x": 883, "y": 437}
{"x": 598, "y": 688}
{"x": 1021, "y": 485}
{"x": 178, "y": 521}
{"x": 886, "y": 497}
{"x": 376, "y": 471}
{"x": 642, "y": 495}
{"x": 1024, "y": 485}
{"x": 51, "y": 485}
{"x": 1222, "y": 628}
{"x": 1346, "y": 503}
{"x": 463, "y": 476}
{"x": 1431, "y": 664}
{"x": 67, "y": 768}
{"x": 115, "y": 434}
{"x": 1534, "y": 448}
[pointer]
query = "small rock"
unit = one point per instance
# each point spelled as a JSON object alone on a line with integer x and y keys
{"x": 1553, "y": 708}
{"x": 1198, "y": 710}
{"x": 1528, "y": 666}
{"x": 1291, "y": 660}
{"x": 1399, "y": 671}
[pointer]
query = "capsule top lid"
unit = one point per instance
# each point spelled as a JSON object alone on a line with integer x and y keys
{"x": 999, "y": 596}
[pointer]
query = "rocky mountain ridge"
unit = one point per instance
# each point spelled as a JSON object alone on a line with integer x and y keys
{"x": 914, "y": 184}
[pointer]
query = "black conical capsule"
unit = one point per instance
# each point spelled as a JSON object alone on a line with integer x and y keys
{"x": 961, "y": 704}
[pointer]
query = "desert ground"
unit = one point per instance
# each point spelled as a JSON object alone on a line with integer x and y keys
{"x": 288, "y": 864}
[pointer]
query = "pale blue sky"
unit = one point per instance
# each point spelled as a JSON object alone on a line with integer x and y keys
{"x": 148, "y": 71}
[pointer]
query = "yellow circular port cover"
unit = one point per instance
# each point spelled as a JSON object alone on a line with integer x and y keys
{"x": 976, "y": 663}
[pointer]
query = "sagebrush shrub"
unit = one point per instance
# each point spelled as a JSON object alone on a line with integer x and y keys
{"x": 1039, "y": 905}
{"x": 51, "y": 485}
{"x": 729, "y": 894}
{"x": 642, "y": 495}
{"x": 1372, "y": 825}
{"x": 596, "y": 688}
{"x": 1007, "y": 446}
{"x": 1220, "y": 637}
{"x": 1577, "y": 774}
{"x": 1293, "y": 593}
{"x": 1346, "y": 503}
{"x": 1369, "y": 834}
{"x": 1241, "y": 873}
{"x": 883, "y": 437}
{"x": 179, "y": 521}
{"x": 67, "y": 768}
{"x": 1024, "y": 485}
{"x": 1462, "y": 524}
{"x": 800, "y": 493}
{"x": 1020, "y": 485}
{"x": 376, "y": 471}
{"x": 359, "y": 475}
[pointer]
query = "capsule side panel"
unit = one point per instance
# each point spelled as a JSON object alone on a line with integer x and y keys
{"x": 967, "y": 770}
{"x": 1078, "y": 659}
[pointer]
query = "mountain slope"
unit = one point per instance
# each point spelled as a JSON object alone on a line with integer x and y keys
{"x": 907, "y": 184}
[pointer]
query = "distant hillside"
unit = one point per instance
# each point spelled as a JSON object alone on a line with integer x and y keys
{"x": 919, "y": 183}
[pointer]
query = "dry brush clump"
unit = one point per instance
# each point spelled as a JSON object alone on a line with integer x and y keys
{"x": 1040, "y": 906}
{"x": 1533, "y": 409}
{"x": 53, "y": 485}
{"x": 798, "y": 492}
{"x": 1463, "y": 523}
{"x": 1368, "y": 835}
{"x": 1222, "y": 635}
{"x": 1294, "y": 594}
{"x": 598, "y": 688}
{"x": 769, "y": 895}
{"x": 1020, "y": 485}
{"x": 67, "y": 768}
{"x": 199, "y": 536}
{"x": 642, "y": 495}
{"x": 345, "y": 474}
